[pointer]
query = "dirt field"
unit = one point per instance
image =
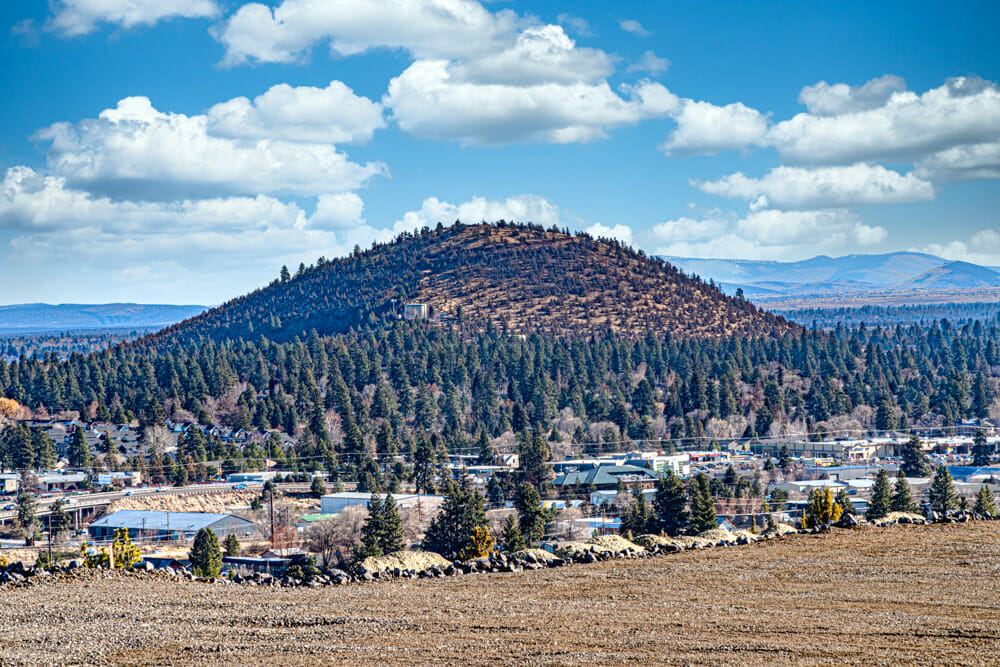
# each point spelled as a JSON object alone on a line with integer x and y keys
{"x": 905, "y": 594}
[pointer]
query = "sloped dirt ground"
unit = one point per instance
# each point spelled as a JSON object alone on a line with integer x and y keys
{"x": 900, "y": 595}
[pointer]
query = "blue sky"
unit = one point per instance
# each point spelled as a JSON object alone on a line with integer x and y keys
{"x": 183, "y": 150}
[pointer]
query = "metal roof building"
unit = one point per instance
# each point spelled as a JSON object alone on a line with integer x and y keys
{"x": 160, "y": 525}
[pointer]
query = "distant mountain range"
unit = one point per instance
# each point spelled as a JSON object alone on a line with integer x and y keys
{"x": 898, "y": 271}
{"x": 40, "y": 317}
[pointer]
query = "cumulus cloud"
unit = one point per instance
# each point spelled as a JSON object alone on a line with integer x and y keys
{"x": 823, "y": 99}
{"x": 634, "y": 27}
{"x": 705, "y": 129}
{"x": 907, "y": 126}
{"x": 962, "y": 163}
{"x": 541, "y": 54}
{"x": 651, "y": 63}
{"x": 78, "y": 17}
{"x": 982, "y": 248}
{"x": 823, "y": 187}
{"x": 319, "y": 115}
{"x": 338, "y": 211}
{"x": 769, "y": 235}
{"x": 425, "y": 28}
{"x": 518, "y": 208}
{"x": 136, "y": 151}
{"x": 428, "y": 101}
{"x": 197, "y": 250}
{"x": 622, "y": 233}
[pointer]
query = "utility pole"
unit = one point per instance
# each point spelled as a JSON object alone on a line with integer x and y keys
{"x": 50, "y": 537}
{"x": 271, "y": 492}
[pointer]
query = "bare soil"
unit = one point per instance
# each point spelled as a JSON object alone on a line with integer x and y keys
{"x": 899, "y": 595}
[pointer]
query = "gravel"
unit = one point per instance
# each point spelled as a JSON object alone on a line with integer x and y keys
{"x": 898, "y": 595}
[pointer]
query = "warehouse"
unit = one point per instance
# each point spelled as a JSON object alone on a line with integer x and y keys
{"x": 334, "y": 503}
{"x": 159, "y": 525}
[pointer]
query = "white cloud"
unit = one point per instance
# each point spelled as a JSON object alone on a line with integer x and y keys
{"x": 823, "y": 99}
{"x": 621, "y": 232}
{"x": 428, "y": 101}
{"x": 768, "y": 235}
{"x": 519, "y": 208}
{"x": 650, "y": 62}
{"x": 634, "y": 27}
{"x": 541, "y": 54}
{"x": 425, "y": 28}
{"x": 703, "y": 128}
{"x": 962, "y": 163}
{"x": 78, "y": 17}
{"x": 982, "y": 248}
{"x": 576, "y": 24}
{"x": 135, "y": 151}
{"x": 824, "y": 187}
{"x": 906, "y": 127}
{"x": 83, "y": 247}
{"x": 690, "y": 229}
{"x": 338, "y": 211}
{"x": 320, "y": 115}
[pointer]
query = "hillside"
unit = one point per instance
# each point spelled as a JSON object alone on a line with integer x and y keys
{"x": 954, "y": 275}
{"x": 820, "y": 274}
{"x": 520, "y": 276}
{"x": 36, "y": 317}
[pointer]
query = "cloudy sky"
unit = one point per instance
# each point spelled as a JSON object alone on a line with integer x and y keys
{"x": 181, "y": 151}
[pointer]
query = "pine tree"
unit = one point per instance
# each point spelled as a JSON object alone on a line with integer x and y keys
{"x": 79, "y": 451}
{"x": 485, "y": 448}
{"x": 391, "y": 537}
{"x": 985, "y": 503}
{"x": 915, "y": 463}
{"x": 531, "y": 517}
{"x": 702, "y": 505}
{"x": 451, "y": 530}
{"x": 902, "y": 499}
{"x": 670, "y": 504}
{"x": 511, "y": 537}
{"x": 317, "y": 488}
{"x": 205, "y": 555}
{"x": 844, "y": 501}
{"x": 880, "y": 503}
{"x": 980, "y": 450}
{"x": 371, "y": 532}
{"x": 232, "y": 545}
{"x": 27, "y": 520}
{"x": 942, "y": 493}
{"x": 534, "y": 456}
{"x": 638, "y": 518}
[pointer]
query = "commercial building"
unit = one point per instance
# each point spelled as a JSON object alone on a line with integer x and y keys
{"x": 160, "y": 525}
{"x": 335, "y": 503}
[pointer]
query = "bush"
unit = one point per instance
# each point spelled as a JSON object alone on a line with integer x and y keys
{"x": 822, "y": 508}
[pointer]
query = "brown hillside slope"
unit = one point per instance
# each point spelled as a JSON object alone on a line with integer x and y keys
{"x": 520, "y": 276}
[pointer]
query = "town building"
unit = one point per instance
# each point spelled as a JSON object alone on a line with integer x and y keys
{"x": 145, "y": 525}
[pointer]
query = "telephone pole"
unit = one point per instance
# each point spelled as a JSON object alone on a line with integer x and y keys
{"x": 271, "y": 492}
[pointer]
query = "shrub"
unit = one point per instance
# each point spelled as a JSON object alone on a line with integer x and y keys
{"x": 822, "y": 508}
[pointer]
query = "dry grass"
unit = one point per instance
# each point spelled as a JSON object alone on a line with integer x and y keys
{"x": 900, "y": 595}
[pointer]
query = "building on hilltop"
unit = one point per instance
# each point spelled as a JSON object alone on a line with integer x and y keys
{"x": 416, "y": 311}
